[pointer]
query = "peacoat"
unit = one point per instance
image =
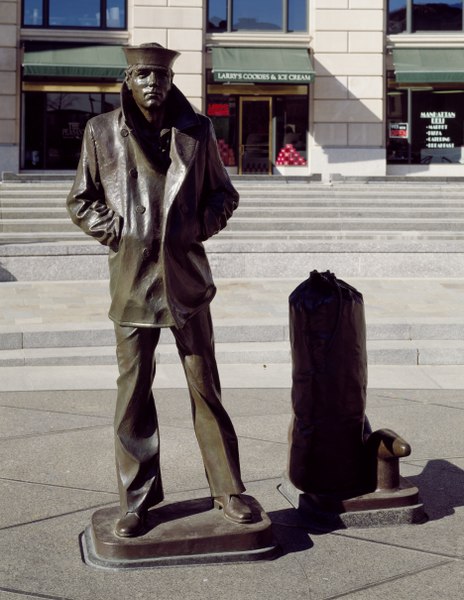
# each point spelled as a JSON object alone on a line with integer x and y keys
{"x": 153, "y": 222}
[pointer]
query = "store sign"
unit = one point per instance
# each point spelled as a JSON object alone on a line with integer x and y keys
{"x": 250, "y": 77}
{"x": 74, "y": 131}
{"x": 216, "y": 109}
{"x": 436, "y": 128}
{"x": 398, "y": 131}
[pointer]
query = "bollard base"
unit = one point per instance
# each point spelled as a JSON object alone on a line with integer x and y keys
{"x": 375, "y": 509}
{"x": 182, "y": 533}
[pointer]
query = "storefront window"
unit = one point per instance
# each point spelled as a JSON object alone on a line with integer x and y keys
{"x": 260, "y": 15}
{"x": 223, "y": 113}
{"x": 424, "y": 15}
{"x": 434, "y": 132}
{"x": 88, "y": 14}
{"x": 437, "y": 122}
{"x": 398, "y": 149}
{"x": 272, "y": 130}
{"x": 54, "y": 125}
{"x": 291, "y": 114}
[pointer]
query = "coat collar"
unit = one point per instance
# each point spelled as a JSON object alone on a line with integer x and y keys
{"x": 179, "y": 112}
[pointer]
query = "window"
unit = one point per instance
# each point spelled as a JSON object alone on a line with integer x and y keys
{"x": 259, "y": 15}
{"x": 424, "y": 15}
{"x": 54, "y": 126}
{"x": 426, "y": 126}
{"x": 238, "y": 117}
{"x": 222, "y": 111}
{"x": 291, "y": 113}
{"x": 88, "y": 14}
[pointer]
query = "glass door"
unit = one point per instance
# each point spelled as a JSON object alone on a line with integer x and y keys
{"x": 255, "y": 135}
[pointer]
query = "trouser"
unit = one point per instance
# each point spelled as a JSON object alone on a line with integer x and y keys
{"x": 136, "y": 423}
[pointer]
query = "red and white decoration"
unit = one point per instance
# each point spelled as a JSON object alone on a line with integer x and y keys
{"x": 226, "y": 152}
{"x": 288, "y": 156}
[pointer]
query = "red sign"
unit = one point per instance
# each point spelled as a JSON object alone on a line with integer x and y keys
{"x": 218, "y": 110}
{"x": 398, "y": 130}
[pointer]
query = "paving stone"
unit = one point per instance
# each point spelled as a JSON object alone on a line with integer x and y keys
{"x": 82, "y": 402}
{"x": 439, "y": 434}
{"x": 18, "y": 422}
{"x": 23, "y": 502}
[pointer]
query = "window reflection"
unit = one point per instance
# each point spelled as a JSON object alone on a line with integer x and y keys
{"x": 261, "y": 15}
{"x": 217, "y": 15}
{"x": 439, "y": 15}
{"x": 67, "y": 13}
{"x": 54, "y": 126}
{"x": 397, "y": 16}
{"x": 75, "y": 13}
{"x": 32, "y": 12}
{"x": 425, "y": 15}
{"x": 115, "y": 13}
{"x": 297, "y": 16}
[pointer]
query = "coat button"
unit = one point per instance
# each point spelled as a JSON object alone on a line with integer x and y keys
{"x": 124, "y": 132}
{"x": 140, "y": 209}
{"x": 146, "y": 253}
{"x": 134, "y": 173}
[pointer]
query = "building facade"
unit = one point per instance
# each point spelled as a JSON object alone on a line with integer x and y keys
{"x": 294, "y": 87}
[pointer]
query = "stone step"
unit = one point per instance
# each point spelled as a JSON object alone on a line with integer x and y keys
{"x": 244, "y": 181}
{"x": 44, "y": 191}
{"x": 40, "y": 237}
{"x": 272, "y": 331}
{"x": 307, "y": 223}
{"x": 269, "y": 259}
{"x": 37, "y": 225}
{"x": 349, "y": 212}
{"x": 402, "y": 352}
{"x": 271, "y": 187}
{"x": 271, "y": 223}
{"x": 275, "y": 211}
{"x": 49, "y": 244}
{"x": 17, "y": 208}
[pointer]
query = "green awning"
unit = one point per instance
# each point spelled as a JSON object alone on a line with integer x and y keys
{"x": 77, "y": 61}
{"x": 262, "y": 65}
{"x": 429, "y": 65}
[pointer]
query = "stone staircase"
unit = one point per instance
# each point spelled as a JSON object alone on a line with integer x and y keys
{"x": 70, "y": 347}
{"x": 369, "y": 229}
{"x": 282, "y": 229}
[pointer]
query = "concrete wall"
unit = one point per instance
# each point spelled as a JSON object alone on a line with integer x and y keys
{"x": 9, "y": 101}
{"x": 178, "y": 25}
{"x": 348, "y": 107}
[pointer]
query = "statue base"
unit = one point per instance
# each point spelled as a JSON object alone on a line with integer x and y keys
{"x": 181, "y": 533}
{"x": 374, "y": 509}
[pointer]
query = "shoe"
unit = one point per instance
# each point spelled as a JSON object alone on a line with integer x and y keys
{"x": 235, "y": 509}
{"x": 130, "y": 525}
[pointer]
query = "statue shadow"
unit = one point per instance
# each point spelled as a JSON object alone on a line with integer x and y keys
{"x": 175, "y": 511}
{"x": 5, "y": 275}
{"x": 441, "y": 488}
{"x": 199, "y": 510}
{"x": 291, "y": 531}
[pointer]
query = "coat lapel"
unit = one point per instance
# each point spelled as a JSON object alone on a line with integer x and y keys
{"x": 183, "y": 151}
